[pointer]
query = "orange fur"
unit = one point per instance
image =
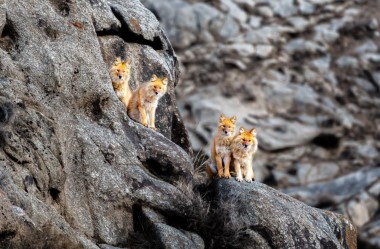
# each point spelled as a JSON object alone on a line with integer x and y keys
{"x": 120, "y": 73}
{"x": 244, "y": 147}
{"x": 143, "y": 104}
{"x": 221, "y": 150}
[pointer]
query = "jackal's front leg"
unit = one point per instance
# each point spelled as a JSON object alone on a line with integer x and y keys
{"x": 219, "y": 165}
{"x": 152, "y": 119}
{"x": 143, "y": 117}
{"x": 227, "y": 161}
{"x": 239, "y": 176}
{"x": 249, "y": 176}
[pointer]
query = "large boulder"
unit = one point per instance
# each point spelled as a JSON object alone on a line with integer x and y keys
{"x": 257, "y": 216}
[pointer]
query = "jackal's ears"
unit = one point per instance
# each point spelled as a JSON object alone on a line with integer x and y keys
{"x": 153, "y": 78}
{"x": 233, "y": 119}
{"x": 165, "y": 81}
{"x": 241, "y": 130}
{"x": 253, "y": 131}
{"x": 117, "y": 61}
{"x": 221, "y": 117}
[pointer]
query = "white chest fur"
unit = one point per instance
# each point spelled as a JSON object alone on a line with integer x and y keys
{"x": 243, "y": 158}
{"x": 223, "y": 150}
{"x": 149, "y": 106}
{"x": 245, "y": 161}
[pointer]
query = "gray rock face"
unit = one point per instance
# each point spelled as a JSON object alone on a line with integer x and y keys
{"x": 302, "y": 46}
{"x": 356, "y": 195}
{"x": 283, "y": 8}
{"x": 72, "y": 163}
{"x": 75, "y": 171}
{"x": 339, "y": 189}
{"x": 260, "y": 219}
{"x": 167, "y": 236}
{"x": 369, "y": 236}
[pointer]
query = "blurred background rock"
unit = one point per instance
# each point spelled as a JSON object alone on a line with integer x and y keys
{"x": 306, "y": 73}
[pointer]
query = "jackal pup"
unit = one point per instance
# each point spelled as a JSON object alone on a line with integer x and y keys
{"x": 120, "y": 73}
{"x": 143, "y": 104}
{"x": 221, "y": 148}
{"x": 244, "y": 147}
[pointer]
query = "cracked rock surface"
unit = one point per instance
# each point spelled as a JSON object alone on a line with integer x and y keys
{"x": 73, "y": 165}
{"x": 76, "y": 172}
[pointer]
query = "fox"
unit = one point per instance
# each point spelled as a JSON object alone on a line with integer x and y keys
{"x": 221, "y": 150}
{"x": 244, "y": 146}
{"x": 143, "y": 104}
{"x": 120, "y": 73}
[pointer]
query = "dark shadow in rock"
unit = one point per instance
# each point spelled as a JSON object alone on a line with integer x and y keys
{"x": 157, "y": 169}
{"x": 6, "y": 235}
{"x": 139, "y": 238}
{"x": 96, "y": 109}
{"x": 6, "y": 112}
{"x": 61, "y": 7}
{"x": 54, "y": 193}
{"x": 327, "y": 141}
{"x": 8, "y": 39}
{"x": 357, "y": 29}
{"x": 371, "y": 79}
{"x": 326, "y": 204}
{"x": 128, "y": 35}
{"x": 3, "y": 139}
{"x": 28, "y": 180}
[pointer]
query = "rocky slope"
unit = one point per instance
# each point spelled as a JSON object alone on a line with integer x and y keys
{"x": 305, "y": 72}
{"x": 76, "y": 172}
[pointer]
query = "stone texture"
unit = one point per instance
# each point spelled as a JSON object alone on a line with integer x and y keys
{"x": 264, "y": 51}
{"x": 303, "y": 46}
{"x": 369, "y": 236}
{"x": 347, "y": 62}
{"x": 281, "y": 227}
{"x": 336, "y": 190}
{"x": 72, "y": 163}
{"x": 283, "y": 8}
{"x": 76, "y": 172}
{"x": 167, "y": 236}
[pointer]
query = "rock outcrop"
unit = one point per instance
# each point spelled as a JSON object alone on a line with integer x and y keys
{"x": 259, "y": 217}
{"x": 304, "y": 72}
{"x": 76, "y": 172}
{"x": 73, "y": 165}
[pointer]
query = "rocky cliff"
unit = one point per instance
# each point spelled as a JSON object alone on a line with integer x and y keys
{"x": 76, "y": 172}
{"x": 306, "y": 73}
